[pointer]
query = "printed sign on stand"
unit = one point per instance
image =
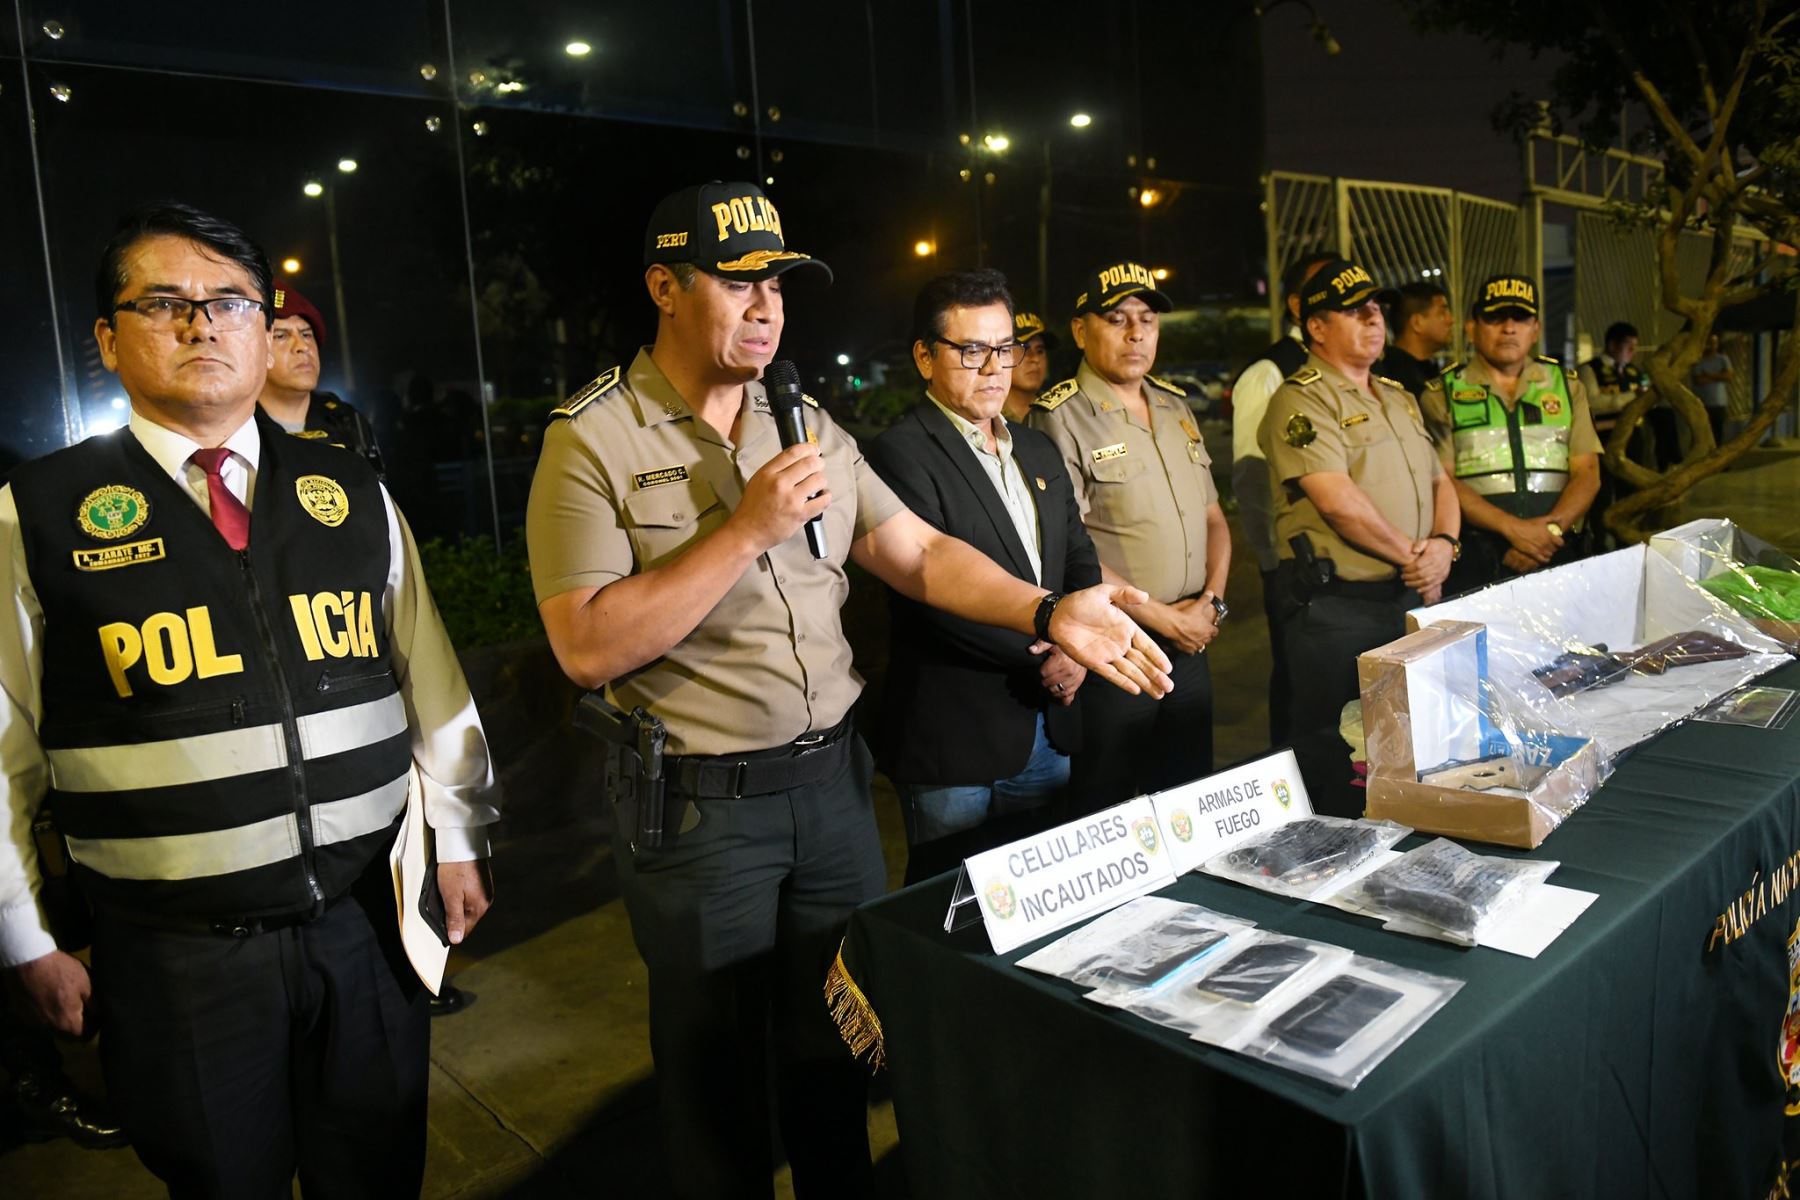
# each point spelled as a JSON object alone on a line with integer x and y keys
{"x": 1053, "y": 879}
{"x": 1211, "y": 815}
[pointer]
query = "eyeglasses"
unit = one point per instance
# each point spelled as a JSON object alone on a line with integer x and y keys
{"x": 227, "y": 314}
{"x": 975, "y": 355}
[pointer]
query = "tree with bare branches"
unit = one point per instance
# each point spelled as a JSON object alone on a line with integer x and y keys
{"x": 1720, "y": 81}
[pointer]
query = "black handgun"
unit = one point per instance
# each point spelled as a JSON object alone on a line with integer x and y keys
{"x": 1315, "y": 572}
{"x": 634, "y": 762}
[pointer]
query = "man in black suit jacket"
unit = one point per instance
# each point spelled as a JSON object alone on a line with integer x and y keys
{"x": 977, "y": 722}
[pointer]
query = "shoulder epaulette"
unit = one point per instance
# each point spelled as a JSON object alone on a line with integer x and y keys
{"x": 1055, "y": 395}
{"x": 588, "y": 394}
{"x": 1555, "y": 363}
{"x": 1393, "y": 383}
{"x": 1305, "y": 375}
{"x": 1166, "y": 386}
{"x": 809, "y": 399}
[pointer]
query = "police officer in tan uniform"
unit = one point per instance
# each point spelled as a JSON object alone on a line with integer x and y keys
{"x": 1035, "y": 342}
{"x": 670, "y": 568}
{"x": 1144, "y": 481}
{"x": 1366, "y": 520}
{"x": 1515, "y": 433}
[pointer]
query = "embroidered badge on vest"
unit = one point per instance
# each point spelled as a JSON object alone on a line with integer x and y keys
{"x": 114, "y": 511}
{"x": 323, "y": 499}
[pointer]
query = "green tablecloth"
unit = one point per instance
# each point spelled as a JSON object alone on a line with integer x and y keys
{"x": 1630, "y": 1059}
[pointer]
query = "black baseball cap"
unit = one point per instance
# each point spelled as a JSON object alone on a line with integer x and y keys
{"x": 1339, "y": 286}
{"x": 1503, "y": 293}
{"x": 1028, "y": 325}
{"x": 726, "y": 229}
{"x": 1109, "y": 284}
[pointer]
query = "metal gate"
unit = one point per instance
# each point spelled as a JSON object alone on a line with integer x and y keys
{"x": 1402, "y": 233}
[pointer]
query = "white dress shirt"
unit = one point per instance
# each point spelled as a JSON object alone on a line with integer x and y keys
{"x": 448, "y": 743}
{"x": 1250, "y": 397}
{"x": 1007, "y": 476}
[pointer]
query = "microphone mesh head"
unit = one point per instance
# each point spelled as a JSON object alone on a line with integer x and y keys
{"x": 781, "y": 375}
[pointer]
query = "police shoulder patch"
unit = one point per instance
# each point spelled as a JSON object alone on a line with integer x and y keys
{"x": 1393, "y": 383}
{"x": 588, "y": 394}
{"x": 1299, "y": 432}
{"x": 1167, "y": 386}
{"x": 1305, "y": 375}
{"x": 1054, "y": 396}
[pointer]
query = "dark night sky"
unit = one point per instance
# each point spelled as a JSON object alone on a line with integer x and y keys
{"x": 1395, "y": 105}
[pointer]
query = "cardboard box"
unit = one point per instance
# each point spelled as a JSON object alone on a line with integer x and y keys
{"x": 1424, "y": 703}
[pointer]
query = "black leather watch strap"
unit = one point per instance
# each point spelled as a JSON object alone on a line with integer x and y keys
{"x": 1045, "y": 607}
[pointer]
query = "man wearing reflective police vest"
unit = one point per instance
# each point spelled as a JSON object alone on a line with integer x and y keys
{"x": 1514, "y": 431}
{"x": 221, "y": 667}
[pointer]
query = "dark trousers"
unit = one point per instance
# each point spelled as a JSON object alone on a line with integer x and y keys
{"x": 1280, "y": 692}
{"x": 1323, "y": 639}
{"x": 234, "y": 1062}
{"x": 738, "y": 920}
{"x": 1131, "y": 745}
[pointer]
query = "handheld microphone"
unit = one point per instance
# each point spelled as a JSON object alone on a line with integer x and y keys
{"x": 782, "y": 379}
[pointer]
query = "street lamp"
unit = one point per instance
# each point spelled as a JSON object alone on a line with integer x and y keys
{"x": 578, "y": 49}
{"x": 314, "y": 189}
{"x": 924, "y": 248}
{"x": 290, "y": 266}
{"x": 1078, "y": 120}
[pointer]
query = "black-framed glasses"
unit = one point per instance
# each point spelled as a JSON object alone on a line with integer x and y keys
{"x": 227, "y": 314}
{"x": 975, "y": 355}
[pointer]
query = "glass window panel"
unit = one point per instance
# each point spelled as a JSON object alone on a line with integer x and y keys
{"x": 678, "y": 60}
{"x": 400, "y": 265}
{"x": 30, "y": 388}
{"x": 379, "y": 46}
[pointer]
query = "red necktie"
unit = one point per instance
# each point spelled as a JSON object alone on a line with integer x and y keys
{"x": 229, "y": 515}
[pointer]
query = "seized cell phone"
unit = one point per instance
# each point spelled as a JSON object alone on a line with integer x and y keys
{"x": 1322, "y": 1022}
{"x": 1256, "y": 972}
{"x": 1167, "y": 960}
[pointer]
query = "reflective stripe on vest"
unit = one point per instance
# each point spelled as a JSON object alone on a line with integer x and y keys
{"x": 211, "y": 756}
{"x": 1483, "y": 434}
{"x": 222, "y": 851}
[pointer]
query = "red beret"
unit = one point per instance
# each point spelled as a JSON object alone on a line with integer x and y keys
{"x": 289, "y": 303}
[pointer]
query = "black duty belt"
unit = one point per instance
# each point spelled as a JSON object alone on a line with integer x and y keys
{"x": 231, "y": 927}
{"x": 805, "y": 760}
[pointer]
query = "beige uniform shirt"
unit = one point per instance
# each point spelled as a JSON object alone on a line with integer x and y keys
{"x": 1582, "y": 438}
{"x": 1143, "y": 492}
{"x": 1318, "y": 421}
{"x": 630, "y": 481}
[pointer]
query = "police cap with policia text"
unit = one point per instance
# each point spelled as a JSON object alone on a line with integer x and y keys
{"x": 1110, "y": 284}
{"x": 1499, "y": 294}
{"x": 1340, "y": 286}
{"x": 726, "y": 229}
{"x": 1028, "y": 325}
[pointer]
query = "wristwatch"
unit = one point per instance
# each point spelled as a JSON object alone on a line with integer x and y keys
{"x": 1046, "y": 606}
{"x": 1221, "y": 610}
{"x": 1455, "y": 545}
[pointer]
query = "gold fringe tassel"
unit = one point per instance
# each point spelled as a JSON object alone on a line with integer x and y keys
{"x": 856, "y": 1020}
